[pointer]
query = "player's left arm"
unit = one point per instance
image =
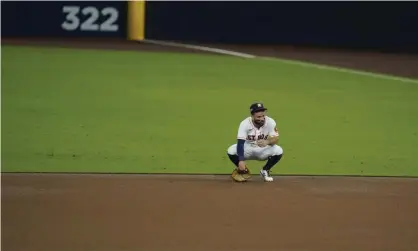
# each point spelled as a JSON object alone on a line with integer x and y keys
{"x": 273, "y": 137}
{"x": 272, "y": 140}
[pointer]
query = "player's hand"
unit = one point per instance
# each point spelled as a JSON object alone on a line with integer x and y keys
{"x": 242, "y": 166}
{"x": 262, "y": 143}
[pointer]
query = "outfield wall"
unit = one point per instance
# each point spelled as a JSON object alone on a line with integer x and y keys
{"x": 386, "y": 26}
{"x": 341, "y": 24}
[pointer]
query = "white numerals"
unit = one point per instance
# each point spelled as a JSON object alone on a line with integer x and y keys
{"x": 108, "y": 24}
{"x": 71, "y": 20}
{"x": 90, "y": 16}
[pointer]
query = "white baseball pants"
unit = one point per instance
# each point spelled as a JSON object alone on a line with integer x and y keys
{"x": 254, "y": 152}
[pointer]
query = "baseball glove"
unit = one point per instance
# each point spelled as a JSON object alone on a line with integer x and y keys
{"x": 241, "y": 176}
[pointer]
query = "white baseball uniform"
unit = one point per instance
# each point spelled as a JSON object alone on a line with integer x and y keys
{"x": 250, "y": 133}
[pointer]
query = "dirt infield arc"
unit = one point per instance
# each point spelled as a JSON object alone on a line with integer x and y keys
{"x": 64, "y": 212}
{"x": 47, "y": 212}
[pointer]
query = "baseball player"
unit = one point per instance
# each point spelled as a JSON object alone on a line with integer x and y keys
{"x": 257, "y": 139}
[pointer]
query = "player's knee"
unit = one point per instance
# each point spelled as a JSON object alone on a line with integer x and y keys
{"x": 277, "y": 150}
{"x": 232, "y": 150}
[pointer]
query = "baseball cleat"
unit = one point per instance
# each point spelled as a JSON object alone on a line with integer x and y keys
{"x": 266, "y": 175}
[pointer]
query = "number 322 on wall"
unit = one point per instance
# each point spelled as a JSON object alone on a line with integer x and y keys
{"x": 72, "y": 19}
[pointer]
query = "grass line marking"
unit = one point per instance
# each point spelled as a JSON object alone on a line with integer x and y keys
{"x": 200, "y": 48}
{"x": 341, "y": 69}
{"x": 214, "y": 175}
{"x": 287, "y": 61}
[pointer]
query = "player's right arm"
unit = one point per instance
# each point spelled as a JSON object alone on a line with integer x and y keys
{"x": 241, "y": 137}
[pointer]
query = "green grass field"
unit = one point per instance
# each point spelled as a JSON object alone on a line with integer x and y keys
{"x": 68, "y": 110}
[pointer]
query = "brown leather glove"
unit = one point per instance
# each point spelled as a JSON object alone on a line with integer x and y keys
{"x": 241, "y": 176}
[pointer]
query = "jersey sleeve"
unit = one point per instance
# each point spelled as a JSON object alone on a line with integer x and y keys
{"x": 242, "y": 131}
{"x": 273, "y": 131}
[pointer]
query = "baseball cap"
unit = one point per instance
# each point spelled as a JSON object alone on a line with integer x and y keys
{"x": 257, "y": 107}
